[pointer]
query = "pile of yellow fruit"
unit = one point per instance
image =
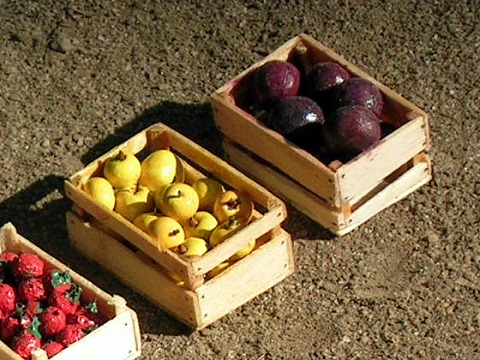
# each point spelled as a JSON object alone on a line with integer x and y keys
{"x": 189, "y": 219}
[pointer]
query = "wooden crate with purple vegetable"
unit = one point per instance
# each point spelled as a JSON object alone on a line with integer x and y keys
{"x": 338, "y": 170}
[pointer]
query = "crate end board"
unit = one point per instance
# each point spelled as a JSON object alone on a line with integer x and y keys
{"x": 122, "y": 323}
{"x": 187, "y": 306}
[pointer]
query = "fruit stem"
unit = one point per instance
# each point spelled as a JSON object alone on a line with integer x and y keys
{"x": 177, "y": 195}
{"x": 232, "y": 204}
{"x": 121, "y": 155}
{"x": 173, "y": 232}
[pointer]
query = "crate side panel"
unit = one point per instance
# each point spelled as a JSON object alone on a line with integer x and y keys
{"x": 141, "y": 275}
{"x": 411, "y": 180}
{"x": 239, "y": 126}
{"x": 253, "y": 275}
{"x": 295, "y": 194}
{"x": 114, "y": 340}
{"x": 357, "y": 178}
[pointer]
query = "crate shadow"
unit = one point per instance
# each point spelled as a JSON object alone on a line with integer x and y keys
{"x": 194, "y": 121}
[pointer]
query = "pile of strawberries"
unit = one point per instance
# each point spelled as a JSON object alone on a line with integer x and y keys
{"x": 40, "y": 306}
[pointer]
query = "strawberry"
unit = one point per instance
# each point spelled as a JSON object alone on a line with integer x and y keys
{"x": 69, "y": 335}
{"x": 17, "y": 321}
{"x": 28, "y": 265}
{"x": 8, "y": 256}
{"x": 33, "y": 308}
{"x": 66, "y": 297}
{"x": 8, "y": 298}
{"x": 24, "y": 344}
{"x": 53, "y": 348}
{"x": 9, "y": 328}
{"x": 53, "y": 320}
{"x": 31, "y": 290}
{"x": 27, "y": 341}
{"x": 86, "y": 317}
{"x": 53, "y": 278}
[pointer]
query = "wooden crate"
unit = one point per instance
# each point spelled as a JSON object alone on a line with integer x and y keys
{"x": 197, "y": 163}
{"x": 269, "y": 263}
{"x": 339, "y": 196}
{"x": 118, "y": 338}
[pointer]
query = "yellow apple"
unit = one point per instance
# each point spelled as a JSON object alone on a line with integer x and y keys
{"x": 218, "y": 269}
{"x": 130, "y": 204}
{"x": 193, "y": 246}
{"x": 224, "y": 230}
{"x": 101, "y": 190}
{"x": 143, "y": 220}
{"x": 247, "y": 249}
{"x": 201, "y": 225}
{"x": 233, "y": 203}
{"x": 158, "y": 169}
{"x": 177, "y": 200}
{"x": 167, "y": 232}
{"x": 208, "y": 191}
{"x": 122, "y": 170}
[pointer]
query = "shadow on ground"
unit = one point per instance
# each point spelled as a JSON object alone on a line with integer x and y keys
{"x": 195, "y": 121}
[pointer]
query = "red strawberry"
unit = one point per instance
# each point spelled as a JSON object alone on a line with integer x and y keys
{"x": 14, "y": 323}
{"x": 28, "y": 340}
{"x": 9, "y": 328}
{"x": 33, "y": 308}
{"x": 53, "y": 320}
{"x": 24, "y": 344}
{"x": 53, "y": 278}
{"x": 8, "y": 256}
{"x": 66, "y": 297}
{"x": 86, "y": 317}
{"x": 3, "y": 315}
{"x": 31, "y": 290}
{"x": 8, "y": 298}
{"x": 53, "y": 348}
{"x": 69, "y": 335}
{"x": 28, "y": 265}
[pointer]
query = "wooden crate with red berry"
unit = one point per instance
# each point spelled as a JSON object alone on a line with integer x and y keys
{"x": 338, "y": 190}
{"x": 48, "y": 311}
{"x": 197, "y": 276}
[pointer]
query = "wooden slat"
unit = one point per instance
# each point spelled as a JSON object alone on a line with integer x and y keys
{"x": 230, "y": 246}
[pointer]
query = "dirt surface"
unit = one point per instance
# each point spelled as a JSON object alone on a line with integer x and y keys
{"x": 79, "y": 77}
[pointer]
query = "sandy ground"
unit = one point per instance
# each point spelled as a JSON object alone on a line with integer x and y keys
{"x": 77, "y": 78}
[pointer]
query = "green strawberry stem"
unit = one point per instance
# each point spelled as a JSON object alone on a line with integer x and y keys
{"x": 60, "y": 278}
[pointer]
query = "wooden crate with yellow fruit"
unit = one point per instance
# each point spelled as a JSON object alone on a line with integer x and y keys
{"x": 322, "y": 134}
{"x": 179, "y": 225}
